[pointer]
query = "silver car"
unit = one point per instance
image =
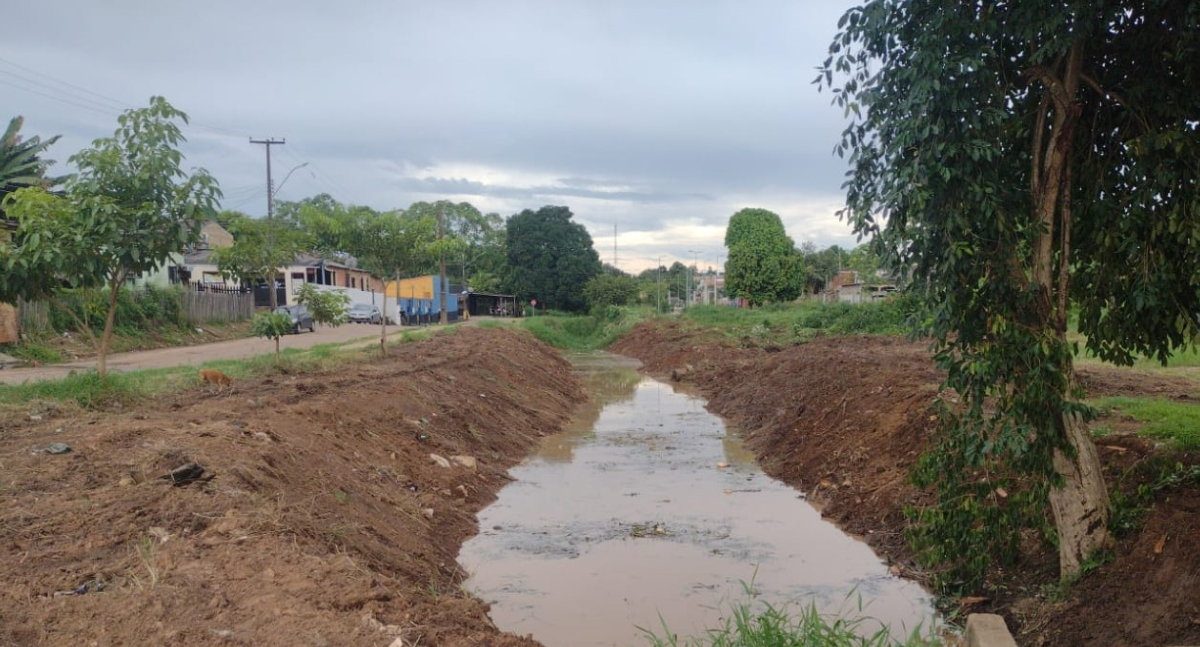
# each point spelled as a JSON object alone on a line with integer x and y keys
{"x": 365, "y": 313}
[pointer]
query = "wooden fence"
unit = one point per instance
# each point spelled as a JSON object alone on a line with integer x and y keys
{"x": 34, "y": 316}
{"x": 194, "y": 308}
{"x": 210, "y": 307}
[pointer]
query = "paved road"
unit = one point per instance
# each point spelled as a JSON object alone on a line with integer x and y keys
{"x": 192, "y": 355}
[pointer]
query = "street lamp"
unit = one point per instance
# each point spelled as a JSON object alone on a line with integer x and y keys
{"x": 276, "y": 190}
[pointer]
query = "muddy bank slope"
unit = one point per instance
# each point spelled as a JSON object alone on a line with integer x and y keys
{"x": 319, "y": 519}
{"x": 844, "y": 419}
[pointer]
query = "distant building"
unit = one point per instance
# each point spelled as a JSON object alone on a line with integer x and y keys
{"x": 421, "y": 297}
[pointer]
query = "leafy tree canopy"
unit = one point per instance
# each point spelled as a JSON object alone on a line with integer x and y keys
{"x": 763, "y": 264}
{"x": 1018, "y": 156}
{"x": 551, "y": 257}
{"x": 609, "y": 289}
{"x": 21, "y": 161}
{"x": 128, "y": 209}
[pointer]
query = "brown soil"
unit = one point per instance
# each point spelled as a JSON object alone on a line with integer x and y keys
{"x": 320, "y": 518}
{"x": 845, "y": 418}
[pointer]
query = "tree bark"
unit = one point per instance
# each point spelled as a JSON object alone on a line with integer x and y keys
{"x": 1081, "y": 504}
{"x": 102, "y": 349}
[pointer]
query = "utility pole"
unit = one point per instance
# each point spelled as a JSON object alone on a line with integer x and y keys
{"x": 268, "y": 143}
{"x": 692, "y": 270}
{"x": 443, "y": 318}
{"x": 615, "y": 266}
{"x": 658, "y": 293}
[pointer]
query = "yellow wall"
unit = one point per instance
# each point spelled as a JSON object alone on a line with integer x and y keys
{"x": 420, "y": 287}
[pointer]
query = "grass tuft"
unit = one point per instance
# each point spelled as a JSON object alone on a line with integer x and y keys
{"x": 765, "y": 625}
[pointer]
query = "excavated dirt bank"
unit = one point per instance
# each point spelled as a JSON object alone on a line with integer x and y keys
{"x": 844, "y": 419}
{"x": 319, "y": 518}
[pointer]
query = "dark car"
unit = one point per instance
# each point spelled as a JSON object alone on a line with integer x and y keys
{"x": 365, "y": 313}
{"x": 301, "y": 319}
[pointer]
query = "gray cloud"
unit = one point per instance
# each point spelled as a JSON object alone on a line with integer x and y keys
{"x": 565, "y": 188}
{"x": 648, "y": 114}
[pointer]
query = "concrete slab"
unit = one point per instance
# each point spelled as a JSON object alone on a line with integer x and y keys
{"x": 988, "y": 630}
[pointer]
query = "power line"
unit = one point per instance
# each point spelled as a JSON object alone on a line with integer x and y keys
{"x": 103, "y": 104}
{"x": 60, "y": 99}
{"x": 119, "y": 104}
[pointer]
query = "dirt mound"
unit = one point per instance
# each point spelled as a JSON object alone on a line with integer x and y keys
{"x": 844, "y": 419}
{"x": 313, "y": 513}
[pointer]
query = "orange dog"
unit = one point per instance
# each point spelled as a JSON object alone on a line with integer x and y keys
{"x": 216, "y": 377}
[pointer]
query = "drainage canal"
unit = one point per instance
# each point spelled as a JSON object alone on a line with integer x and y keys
{"x": 647, "y": 511}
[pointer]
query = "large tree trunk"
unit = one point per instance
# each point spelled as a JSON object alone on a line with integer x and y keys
{"x": 1081, "y": 505}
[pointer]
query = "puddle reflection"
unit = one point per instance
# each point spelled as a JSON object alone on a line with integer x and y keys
{"x": 627, "y": 517}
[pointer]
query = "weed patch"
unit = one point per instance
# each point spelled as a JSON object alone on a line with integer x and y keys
{"x": 1174, "y": 422}
{"x": 761, "y": 624}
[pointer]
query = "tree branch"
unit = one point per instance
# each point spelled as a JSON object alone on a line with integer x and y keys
{"x": 55, "y": 301}
{"x": 1116, "y": 98}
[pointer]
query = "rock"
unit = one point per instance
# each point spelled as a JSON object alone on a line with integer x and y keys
{"x": 428, "y": 512}
{"x": 58, "y": 448}
{"x": 184, "y": 474}
{"x": 987, "y": 630}
{"x": 399, "y": 642}
{"x": 125, "y": 481}
{"x": 35, "y": 417}
{"x": 440, "y": 460}
{"x": 722, "y": 466}
{"x": 465, "y": 461}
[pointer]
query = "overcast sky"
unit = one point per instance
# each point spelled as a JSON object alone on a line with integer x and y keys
{"x": 662, "y": 118}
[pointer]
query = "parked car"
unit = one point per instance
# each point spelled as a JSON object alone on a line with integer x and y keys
{"x": 365, "y": 313}
{"x": 301, "y": 319}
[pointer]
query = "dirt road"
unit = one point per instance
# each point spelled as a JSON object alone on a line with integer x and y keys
{"x": 189, "y": 355}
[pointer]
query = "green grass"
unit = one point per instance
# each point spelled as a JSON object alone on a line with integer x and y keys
{"x": 764, "y": 625}
{"x": 784, "y": 323}
{"x": 803, "y": 321}
{"x": 89, "y": 391}
{"x": 1176, "y": 422}
{"x": 586, "y": 332}
{"x": 35, "y": 350}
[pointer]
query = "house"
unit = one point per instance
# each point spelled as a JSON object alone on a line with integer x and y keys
{"x": 864, "y": 293}
{"x": 177, "y": 269}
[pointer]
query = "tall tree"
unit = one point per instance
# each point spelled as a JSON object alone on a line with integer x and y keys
{"x": 389, "y": 245}
{"x": 1018, "y": 157}
{"x": 763, "y": 264}
{"x": 127, "y": 210}
{"x": 260, "y": 248}
{"x": 551, "y": 257}
{"x": 449, "y": 220}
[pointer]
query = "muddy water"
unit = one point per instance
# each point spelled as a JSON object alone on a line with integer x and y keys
{"x": 647, "y": 508}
